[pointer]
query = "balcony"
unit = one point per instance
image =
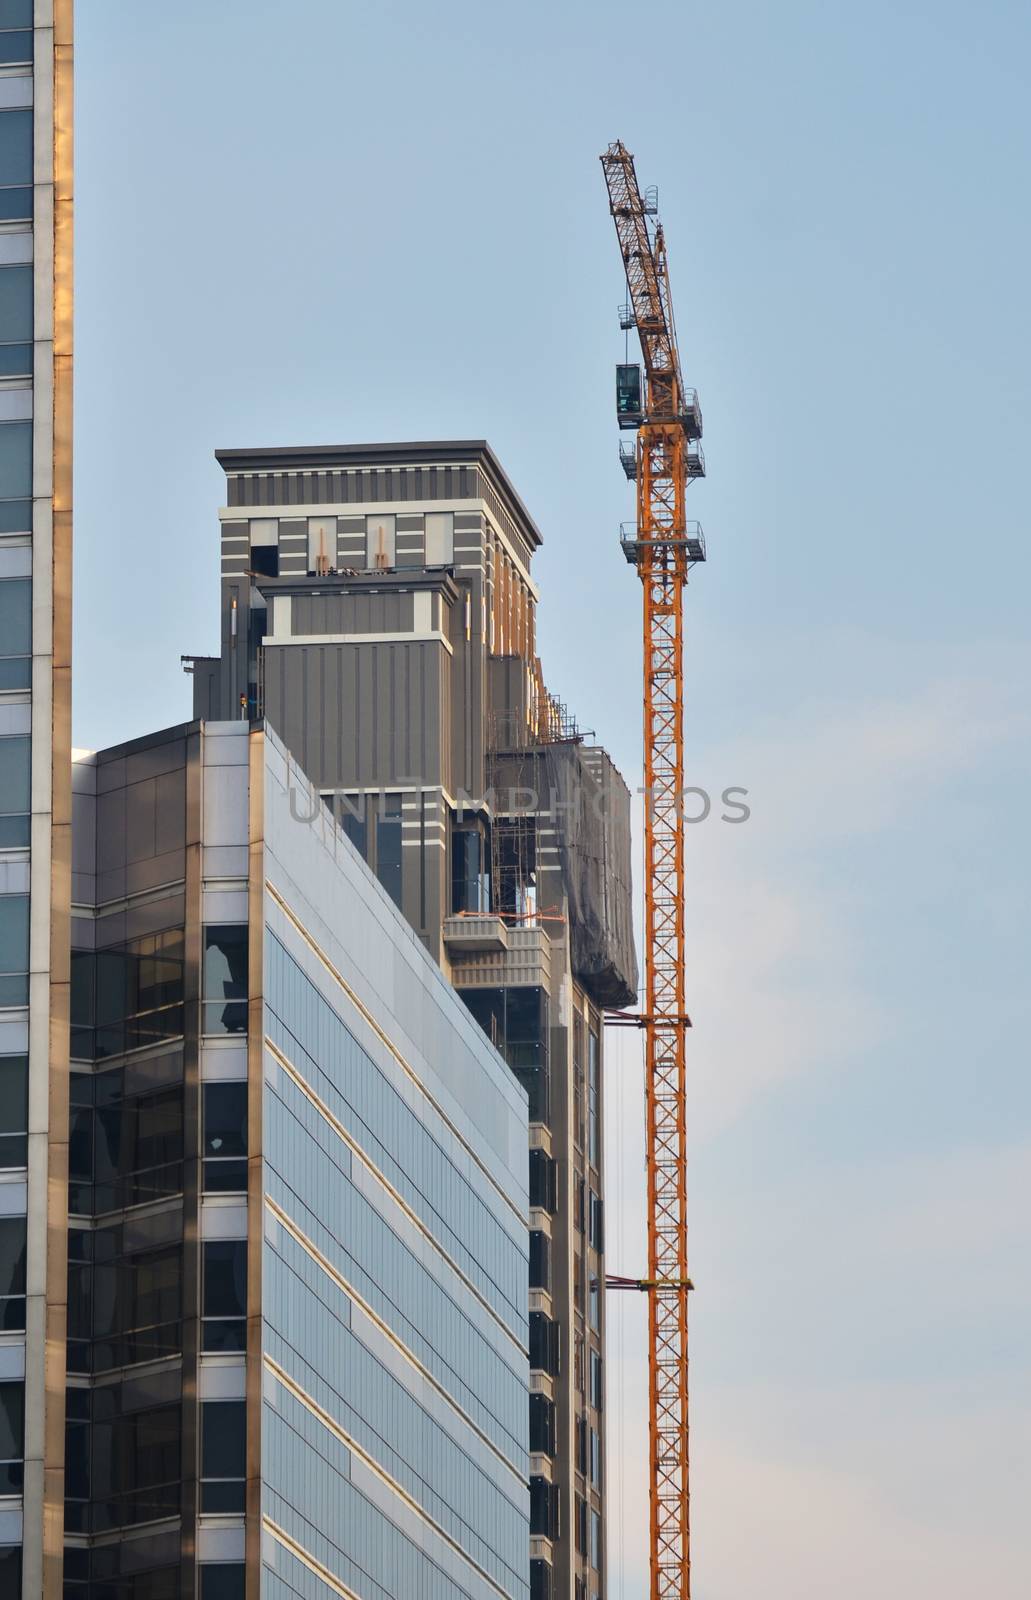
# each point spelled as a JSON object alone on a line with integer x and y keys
{"x": 475, "y": 933}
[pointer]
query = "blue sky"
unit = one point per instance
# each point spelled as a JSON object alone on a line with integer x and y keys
{"x": 330, "y": 223}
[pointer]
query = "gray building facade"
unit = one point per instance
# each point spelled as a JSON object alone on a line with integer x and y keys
{"x": 379, "y": 609}
{"x": 297, "y": 1354}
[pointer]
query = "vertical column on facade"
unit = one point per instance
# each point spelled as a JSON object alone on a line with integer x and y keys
{"x": 193, "y": 955}
{"x": 255, "y": 1167}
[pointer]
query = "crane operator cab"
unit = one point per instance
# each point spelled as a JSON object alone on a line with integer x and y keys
{"x": 628, "y": 396}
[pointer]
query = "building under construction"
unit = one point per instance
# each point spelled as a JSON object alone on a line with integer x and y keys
{"x": 378, "y": 608}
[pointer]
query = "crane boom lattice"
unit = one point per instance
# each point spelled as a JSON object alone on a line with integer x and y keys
{"x": 663, "y": 546}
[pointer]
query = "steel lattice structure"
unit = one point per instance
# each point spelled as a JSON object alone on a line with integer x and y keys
{"x": 662, "y": 550}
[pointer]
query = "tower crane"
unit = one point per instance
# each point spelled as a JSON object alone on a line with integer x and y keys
{"x": 663, "y": 546}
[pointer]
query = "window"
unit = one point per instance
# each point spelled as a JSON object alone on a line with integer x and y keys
{"x": 16, "y": 46}
{"x": 225, "y": 1294}
{"x": 595, "y": 1305}
{"x": 15, "y": 628}
{"x": 225, "y": 1136}
{"x": 581, "y": 1525}
{"x": 137, "y": 1461}
{"x": 440, "y": 538}
{"x": 15, "y": 459}
{"x": 130, "y": 994}
{"x": 137, "y": 1142}
{"x": 223, "y": 1455}
{"x": 265, "y": 546}
{"x": 12, "y": 1274}
{"x": 595, "y": 1458}
{"x": 540, "y": 1580}
{"x": 322, "y": 544}
{"x": 15, "y": 13}
{"x": 540, "y": 1273}
{"x": 10, "y": 1569}
{"x": 593, "y": 1120}
{"x": 132, "y": 1304}
{"x": 579, "y": 1371}
{"x": 15, "y": 318}
{"x": 388, "y": 845}
{"x": 225, "y": 979}
{"x": 16, "y": 150}
{"x": 470, "y": 883}
{"x": 543, "y": 1181}
{"x": 578, "y": 1081}
{"x": 224, "y": 1580}
{"x": 543, "y": 1431}
{"x": 544, "y": 1519}
{"x": 596, "y": 1381}
{"x": 379, "y": 542}
{"x": 597, "y": 1234}
{"x": 12, "y": 1437}
{"x": 15, "y": 791}
{"x": 14, "y": 1110}
{"x": 544, "y": 1344}
{"x": 596, "y": 1541}
{"x": 14, "y": 950}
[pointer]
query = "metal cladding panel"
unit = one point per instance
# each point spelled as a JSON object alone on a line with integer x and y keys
{"x": 358, "y": 715}
{"x": 389, "y": 612}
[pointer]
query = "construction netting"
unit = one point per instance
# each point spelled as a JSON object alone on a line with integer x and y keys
{"x": 591, "y": 805}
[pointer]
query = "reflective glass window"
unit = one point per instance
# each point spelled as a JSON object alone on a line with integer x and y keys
{"x": 15, "y": 47}
{"x": 15, "y": 625}
{"x": 12, "y": 1437}
{"x": 15, "y": 147}
{"x": 223, "y": 1455}
{"x": 14, "y": 1110}
{"x": 593, "y": 1121}
{"x": 15, "y": 791}
{"x": 14, "y": 949}
{"x": 15, "y": 453}
{"x": 12, "y": 1273}
{"x": 596, "y": 1381}
{"x": 225, "y": 1136}
{"x": 225, "y": 978}
{"x": 224, "y": 1580}
{"x": 15, "y": 304}
{"x": 225, "y": 1294}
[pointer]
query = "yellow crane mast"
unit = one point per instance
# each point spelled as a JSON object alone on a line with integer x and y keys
{"x": 662, "y": 545}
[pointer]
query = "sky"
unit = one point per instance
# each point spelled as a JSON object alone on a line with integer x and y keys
{"x": 330, "y": 223}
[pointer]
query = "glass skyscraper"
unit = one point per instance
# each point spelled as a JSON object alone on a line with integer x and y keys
{"x": 298, "y": 1331}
